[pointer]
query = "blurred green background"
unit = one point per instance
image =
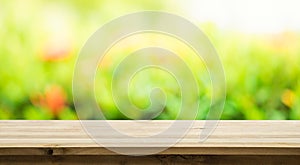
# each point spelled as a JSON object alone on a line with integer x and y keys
{"x": 40, "y": 41}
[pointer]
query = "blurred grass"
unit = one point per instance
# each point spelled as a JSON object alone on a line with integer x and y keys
{"x": 41, "y": 40}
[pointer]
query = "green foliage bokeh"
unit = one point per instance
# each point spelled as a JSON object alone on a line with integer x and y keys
{"x": 40, "y": 42}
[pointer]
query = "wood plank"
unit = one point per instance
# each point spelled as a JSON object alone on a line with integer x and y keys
{"x": 152, "y": 159}
{"x": 229, "y": 138}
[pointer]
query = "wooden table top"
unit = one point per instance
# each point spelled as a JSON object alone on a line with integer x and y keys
{"x": 61, "y": 137}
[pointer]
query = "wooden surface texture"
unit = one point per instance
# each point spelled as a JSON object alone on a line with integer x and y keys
{"x": 247, "y": 141}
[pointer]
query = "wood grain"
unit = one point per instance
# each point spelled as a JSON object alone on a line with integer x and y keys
{"x": 151, "y": 160}
{"x": 68, "y": 138}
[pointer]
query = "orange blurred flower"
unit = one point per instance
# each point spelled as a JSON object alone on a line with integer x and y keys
{"x": 56, "y": 41}
{"x": 55, "y": 50}
{"x": 54, "y": 99}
